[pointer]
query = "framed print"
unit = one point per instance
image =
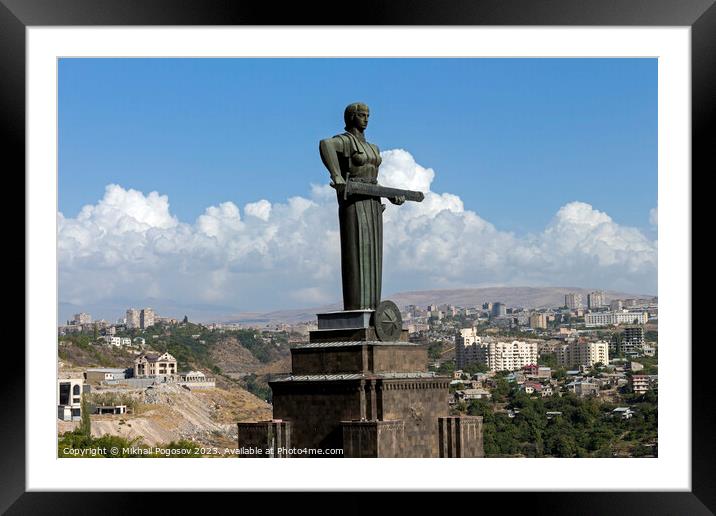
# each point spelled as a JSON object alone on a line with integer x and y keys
{"x": 491, "y": 295}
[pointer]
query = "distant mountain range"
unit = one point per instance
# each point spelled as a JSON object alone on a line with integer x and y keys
{"x": 525, "y": 297}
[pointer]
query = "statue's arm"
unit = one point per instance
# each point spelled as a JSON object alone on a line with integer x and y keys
{"x": 329, "y": 148}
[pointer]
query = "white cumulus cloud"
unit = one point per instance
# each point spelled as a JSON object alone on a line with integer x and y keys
{"x": 129, "y": 245}
{"x": 260, "y": 209}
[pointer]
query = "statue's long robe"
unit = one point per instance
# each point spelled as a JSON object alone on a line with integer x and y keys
{"x": 361, "y": 228}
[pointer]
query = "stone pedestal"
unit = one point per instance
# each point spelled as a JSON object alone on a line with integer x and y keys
{"x": 367, "y": 357}
{"x": 318, "y": 404}
{"x": 345, "y": 319}
{"x": 371, "y": 398}
{"x": 461, "y": 436}
{"x": 347, "y": 326}
{"x": 264, "y": 439}
{"x": 362, "y": 439}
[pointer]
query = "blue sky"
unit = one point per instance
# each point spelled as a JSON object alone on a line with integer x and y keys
{"x": 196, "y": 177}
{"x": 515, "y": 138}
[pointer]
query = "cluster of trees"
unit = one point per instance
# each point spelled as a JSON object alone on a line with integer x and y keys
{"x": 80, "y": 346}
{"x": 474, "y": 368}
{"x": 585, "y": 428}
{"x": 264, "y": 349}
{"x": 178, "y": 341}
{"x": 79, "y": 340}
{"x": 446, "y": 368}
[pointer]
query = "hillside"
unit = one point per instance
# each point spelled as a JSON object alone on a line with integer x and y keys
{"x": 232, "y": 358}
{"x": 193, "y": 345}
{"x": 168, "y": 412}
{"x": 79, "y": 354}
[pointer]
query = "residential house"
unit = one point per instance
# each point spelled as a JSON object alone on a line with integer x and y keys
{"x": 155, "y": 365}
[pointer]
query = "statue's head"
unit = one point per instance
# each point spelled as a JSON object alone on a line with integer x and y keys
{"x": 356, "y": 112}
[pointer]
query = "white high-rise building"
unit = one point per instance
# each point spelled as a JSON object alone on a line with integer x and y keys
{"x": 583, "y": 353}
{"x": 538, "y": 321}
{"x": 146, "y": 318}
{"x": 133, "y": 318}
{"x": 468, "y": 348}
{"x": 595, "y": 299}
{"x": 511, "y": 356}
{"x": 497, "y": 356}
{"x": 573, "y": 300}
{"x": 82, "y": 318}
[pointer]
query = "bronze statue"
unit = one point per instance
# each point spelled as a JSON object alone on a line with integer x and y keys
{"x": 353, "y": 164}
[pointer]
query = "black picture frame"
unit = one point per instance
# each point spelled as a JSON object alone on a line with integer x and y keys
{"x": 700, "y": 15}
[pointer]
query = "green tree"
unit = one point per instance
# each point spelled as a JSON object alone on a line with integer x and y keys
{"x": 560, "y": 374}
{"x": 501, "y": 390}
{"x": 474, "y": 368}
{"x": 548, "y": 360}
{"x": 479, "y": 408}
{"x": 446, "y": 368}
{"x": 538, "y": 443}
{"x": 565, "y": 446}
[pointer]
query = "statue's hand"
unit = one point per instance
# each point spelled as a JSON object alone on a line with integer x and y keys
{"x": 338, "y": 184}
{"x": 400, "y": 199}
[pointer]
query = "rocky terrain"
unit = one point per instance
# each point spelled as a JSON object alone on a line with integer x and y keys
{"x": 169, "y": 412}
{"x": 231, "y": 357}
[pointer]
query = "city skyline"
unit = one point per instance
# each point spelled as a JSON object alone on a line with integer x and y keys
{"x": 154, "y": 206}
{"x": 117, "y": 311}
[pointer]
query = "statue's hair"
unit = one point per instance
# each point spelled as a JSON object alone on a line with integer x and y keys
{"x": 351, "y": 110}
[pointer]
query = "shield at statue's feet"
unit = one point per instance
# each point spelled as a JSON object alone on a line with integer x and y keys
{"x": 388, "y": 322}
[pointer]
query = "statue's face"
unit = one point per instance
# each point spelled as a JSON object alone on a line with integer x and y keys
{"x": 360, "y": 119}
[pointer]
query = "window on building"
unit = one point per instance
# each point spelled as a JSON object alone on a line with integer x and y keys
{"x": 64, "y": 394}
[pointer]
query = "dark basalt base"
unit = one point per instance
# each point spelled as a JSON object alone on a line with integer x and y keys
{"x": 358, "y": 357}
{"x": 348, "y": 390}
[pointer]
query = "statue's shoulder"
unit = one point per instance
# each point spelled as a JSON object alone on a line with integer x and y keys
{"x": 337, "y": 138}
{"x": 346, "y": 142}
